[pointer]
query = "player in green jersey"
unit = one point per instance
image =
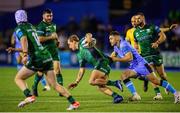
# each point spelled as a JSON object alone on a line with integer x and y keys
{"x": 48, "y": 37}
{"x": 39, "y": 60}
{"x": 149, "y": 37}
{"x": 100, "y": 62}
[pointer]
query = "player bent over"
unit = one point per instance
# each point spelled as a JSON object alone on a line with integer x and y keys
{"x": 138, "y": 66}
{"x": 39, "y": 60}
{"x": 93, "y": 56}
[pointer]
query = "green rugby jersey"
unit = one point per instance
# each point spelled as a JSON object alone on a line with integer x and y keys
{"x": 28, "y": 30}
{"x": 46, "y": 29}
{"x": 90, "y": 55}
{"x": 145, "y": 37}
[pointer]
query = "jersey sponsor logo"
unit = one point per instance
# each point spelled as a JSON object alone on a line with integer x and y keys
{"x": 144, "y": 38}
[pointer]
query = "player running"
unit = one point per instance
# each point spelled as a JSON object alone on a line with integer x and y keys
{"x": 130, "y": 38}
{"x": 39, "y": 60}
{"x": 18, "y": 55}
{"x": 46, "y": 31}
{"x": 138, "y": 66}
{"x": 149, "y": 37}
{"x": 91, "y": 55}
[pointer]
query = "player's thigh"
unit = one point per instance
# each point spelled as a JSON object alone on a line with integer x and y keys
{"x": 24, "y": 73}
{"x": 128, "y": 74}
{"x": 152, "y": 66}
{"x": 96, "y": 74}
{"x": 50, "y": 77}
{"x": 56, "y": 65}
{"x": 152, "y": 77}
{"x": 157, "y": 60}
{"x": 160, "y": 70}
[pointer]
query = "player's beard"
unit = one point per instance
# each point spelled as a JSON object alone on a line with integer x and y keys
{"x": 48, "y": 20}
{"x": 141, "y": 24}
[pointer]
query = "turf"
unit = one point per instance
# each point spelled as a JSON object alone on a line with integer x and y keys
{"x": 90, "y": 98}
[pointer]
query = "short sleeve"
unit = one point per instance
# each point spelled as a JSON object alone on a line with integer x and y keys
{"x": 20, "y": 33}
{"x": 157, "y": 29}
{"x": 40, "y": 31}
{"x": 126, "y": 49}
{"x": 54, "y": 25}
{"x": 82, "y": 62}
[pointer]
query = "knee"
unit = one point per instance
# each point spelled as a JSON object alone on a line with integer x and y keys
{"x": 124, "y": 76}
{"x": 91, "y": 82}
{"x": 56, "y": 70}
{"x": 53, "y": 85}
{"x": 155, "y": 81}
{"x": 17, "y": 78}
{"x": 163, "y": 75}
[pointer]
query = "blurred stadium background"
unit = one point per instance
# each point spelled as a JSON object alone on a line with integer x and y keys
{"x": 96, "y": 16}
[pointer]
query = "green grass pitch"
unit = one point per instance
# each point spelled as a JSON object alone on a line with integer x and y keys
{"x": 90, "y": 98}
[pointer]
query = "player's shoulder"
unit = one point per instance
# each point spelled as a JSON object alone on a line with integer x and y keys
{"x": 41, "y": 24}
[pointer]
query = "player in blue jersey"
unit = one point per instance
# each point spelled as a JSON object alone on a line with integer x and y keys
{"x": 124, "y": 52}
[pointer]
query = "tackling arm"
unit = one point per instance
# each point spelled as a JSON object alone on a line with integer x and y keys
{"x": 128, "y": 57}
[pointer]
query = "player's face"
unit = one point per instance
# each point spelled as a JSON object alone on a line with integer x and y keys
{"x": 140, "y": 20}
{"x": 133, "y": 21}
{"x": 72, "y": 45}
{"x": 47, "y": 17}
{"x": 112, "y": 40}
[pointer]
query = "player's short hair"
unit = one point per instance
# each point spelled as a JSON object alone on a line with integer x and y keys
{"x": 47, "y": 11}
{"x": 73, "y": 38}
{"x": 114, "y": 33}
{"x": 140, "y": 13}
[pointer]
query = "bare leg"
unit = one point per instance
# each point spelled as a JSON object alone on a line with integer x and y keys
{"x": 21, "y": 76}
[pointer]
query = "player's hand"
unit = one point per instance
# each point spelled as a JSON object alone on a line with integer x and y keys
{"x": 54, "y": 36}
{"x": 72, "y": 85}
{"x": 24, "y": 59}
{"x": 10, "y": 49}
{"x": 154, "y": 45}
{"x": 173, "y": 26}
{"x": 114, "y": 58}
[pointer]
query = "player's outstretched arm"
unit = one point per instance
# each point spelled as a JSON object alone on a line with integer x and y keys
{"x": 128, "y": 57}
{"x": 11, "y": 49}
{"x": 78, "y": 79}
{"x": 173, "y": 26}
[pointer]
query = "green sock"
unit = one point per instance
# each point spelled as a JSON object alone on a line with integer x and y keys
{"x": 111, "y": 83}
{"x": 36, "y": 80}
{"x": 114, "y": 94}
{"x": 71, "y": 99}
{"x": 156, "y": 90}
{"x": 27, "y": 93}
{"x": 59, "y": 79}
